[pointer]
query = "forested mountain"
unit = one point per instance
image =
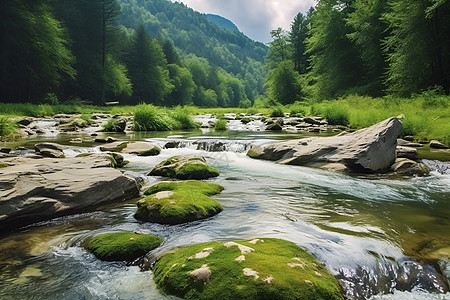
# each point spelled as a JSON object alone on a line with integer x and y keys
{"x": 222, "y": 22}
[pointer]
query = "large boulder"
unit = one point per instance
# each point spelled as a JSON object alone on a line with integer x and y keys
{"x": 34, "y": 190}
{"x": 369, "y": 150}
{"x": 179, "y": 202}
{"x": 185, "y": 167}
{"x": 250, "y": 269}
{"x": 122, "y": 246}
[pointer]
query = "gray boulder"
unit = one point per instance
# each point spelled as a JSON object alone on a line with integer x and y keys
{"x": 33, "y": 190}
{"x": 142, "y": 149}
{"x": 52, "y": 150}
{"x": 407, "y": 152}
{"x": 437, "y": 145}
{"x": 369, "y": 150}
{"x": 404, "y": 166}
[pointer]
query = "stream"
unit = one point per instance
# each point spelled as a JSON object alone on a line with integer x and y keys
{"x": 382, "y": 237}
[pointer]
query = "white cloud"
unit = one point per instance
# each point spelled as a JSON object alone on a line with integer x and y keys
{"x": 256, "y": 18}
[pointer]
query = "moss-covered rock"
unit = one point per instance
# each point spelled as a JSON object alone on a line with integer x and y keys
{"x": 255, "y": 269}
{"x": 125, "y": 246}
{"x": 179, "y": 202}
{"x": 185, "y": 167}
{"x": 84, "y": 154}
{"x": 2, "y": 165}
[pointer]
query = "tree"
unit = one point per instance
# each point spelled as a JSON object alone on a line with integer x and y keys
{"x": 148, "y": 69}
{"x": 298, "y": 34}
{"x": 34, "y": 54}
{"x": 283, "y": 83}
{"x": 184, "y": 86}
{"x": 418, "y": 47}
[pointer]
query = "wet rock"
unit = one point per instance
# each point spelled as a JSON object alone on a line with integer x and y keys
{"x": 409, "y": 167}
{"x": 405, "y": 143}
{"x": 179, "y": 202}
{"x": 52, "y": 150}
{"x": 142, "y": 149}
{"x": 122, "y": 246}
{"x": 261, "y": 274}
{"x": 35, "y": 190}
{"x": 185, "y": 167}
{"x": 5, "y": 150}
{"x": 437, "y": 145}
{"x": 407, "y": 152}
{"x": 114, "y": 147}
{"x": 368, "y": 150}
{"x": 171, "y": 144}
{"x": 277, "y": 126}
{"x": 25, "y": 122}
{"x": 76, "y": 141}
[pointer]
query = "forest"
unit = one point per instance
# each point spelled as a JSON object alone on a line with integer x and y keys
{"x": 164, "y": 53}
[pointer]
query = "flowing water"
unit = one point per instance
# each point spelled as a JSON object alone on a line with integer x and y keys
{"x": 383, "y": 238}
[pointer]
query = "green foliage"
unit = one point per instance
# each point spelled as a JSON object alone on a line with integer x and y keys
{"x": 277, "y": 111}
{"x": 151, "y": 118}
{"x": 124, "y": 246}
{"x": 298, "y": 109}
{"x": 183, "y": 118}
{"x": 7, "y": 128}
{"x": 188, "y": 201}
{"x": 112, "y": 125}
{"x": 284, "y": 271}
{"x": 245, "y": 103}
{"x": 51, "y": 99}
{"x": 221, "y": 125}
{"x": 283, "y": 82}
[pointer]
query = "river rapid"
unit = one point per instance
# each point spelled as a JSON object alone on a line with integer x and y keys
{"x": 382, "y": 237}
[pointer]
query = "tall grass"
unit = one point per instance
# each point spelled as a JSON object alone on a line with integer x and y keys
{"x": 7, "y": 128}
{"x": 151, "y": 118}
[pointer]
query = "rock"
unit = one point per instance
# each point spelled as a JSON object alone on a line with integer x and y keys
{"x": 5, "y": 150}
{"x": 178, "y": 202}
{"x": 277, "y": 126}
{"x": 369, "y": 150}
{"x": 264, "y": 274}
{"x": 50, "y": 150}
{"x": 142, "y": 149}
{"x": 185, "y": 167}
{"x": 35, "y": 190}
{"x": 407, "y": 152}
{"x": 114, "y": 147}
{"x": 122, "y": 246}
{"x": 171, "y": 144}
{"x": 409, "y": 138}
{"x": 409, "y": 167}
{"x": 25, "y": 122}
{"x": 313, "y": 120}
{"x": 437, "y": 145}
{"x": 105, "y": 140}
{"x": 405, "y": 143}
{"x": 76, "y": 141}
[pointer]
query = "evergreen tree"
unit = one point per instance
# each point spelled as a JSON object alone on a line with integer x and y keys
{"x": 283, "y": 83}
{"x": 298, "y": 34}
{"x": 34, "y": 57}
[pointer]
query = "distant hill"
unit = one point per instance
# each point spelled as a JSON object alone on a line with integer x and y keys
{"x": 193, "y": 33}
{"x": 222, "y": 22}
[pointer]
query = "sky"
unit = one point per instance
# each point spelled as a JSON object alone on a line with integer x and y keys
{"x": 255, "y": 18}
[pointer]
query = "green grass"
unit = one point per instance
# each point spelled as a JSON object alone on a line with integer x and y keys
{"x": 112, "y": 125}
{"x": 190, "y": 201}
{"x": 7, "y": 128}
{"x": 152, "y": 118}
{"x": 221, "y": 125}
{"x": 2, "y": 165}
{"x": 292, "y": 272}
{"x": 122, "y": 246}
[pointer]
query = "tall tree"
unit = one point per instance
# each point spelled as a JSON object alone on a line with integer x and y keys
{"x": 418, "y": 47}
{"x": 34, "y": 57}
{"x": 148, "y": 69}
{"x": 298, "y": 34}
{"x": 369, "y": 32}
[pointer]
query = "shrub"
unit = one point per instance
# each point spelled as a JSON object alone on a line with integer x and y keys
{"x": 111, "y": 126}
{"x": 277, "y": 112}
{"x": 221, "y": 124}
{"x": 150, "y": 118}
{"x": 7, "y": 128}
{"x": 183, "y": 119}
{"x": 337, "y": 115}
{"x": 51, "y": 99}
{"x": 245, "y": 103}
{"x": 298, "y": 110}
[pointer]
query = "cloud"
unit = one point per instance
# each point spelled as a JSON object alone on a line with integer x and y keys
{"x": 256, "y": 18}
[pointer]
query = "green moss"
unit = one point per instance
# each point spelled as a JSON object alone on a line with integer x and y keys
{"x": 187, "y": 201}
{"x": 2, "y": 165}
{"x": 252, "y": 153}
{"x": 185, "y": 167}
{"x": 246, "y": 120}
{"x": 125, "y": 246}
{"x": 84, "y": 154}
{"x": 152, "y": 152}
{"x": 284, "y": 271}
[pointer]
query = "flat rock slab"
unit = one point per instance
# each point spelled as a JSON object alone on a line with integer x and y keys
{"x": 141, "y": 149}
{"x": 369, "y": 150}
{"x": 34, "y": 190}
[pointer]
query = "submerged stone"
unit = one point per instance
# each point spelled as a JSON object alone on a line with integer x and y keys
{"x": 122, "y": 246}
{"x": 179, "y": 202}
{"x": 265, "y": 273}
{"x": 185, "y": 167}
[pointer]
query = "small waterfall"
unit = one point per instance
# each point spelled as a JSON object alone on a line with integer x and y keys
{"x": 210, "y": 145}
{"x": 438, "y": 166}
